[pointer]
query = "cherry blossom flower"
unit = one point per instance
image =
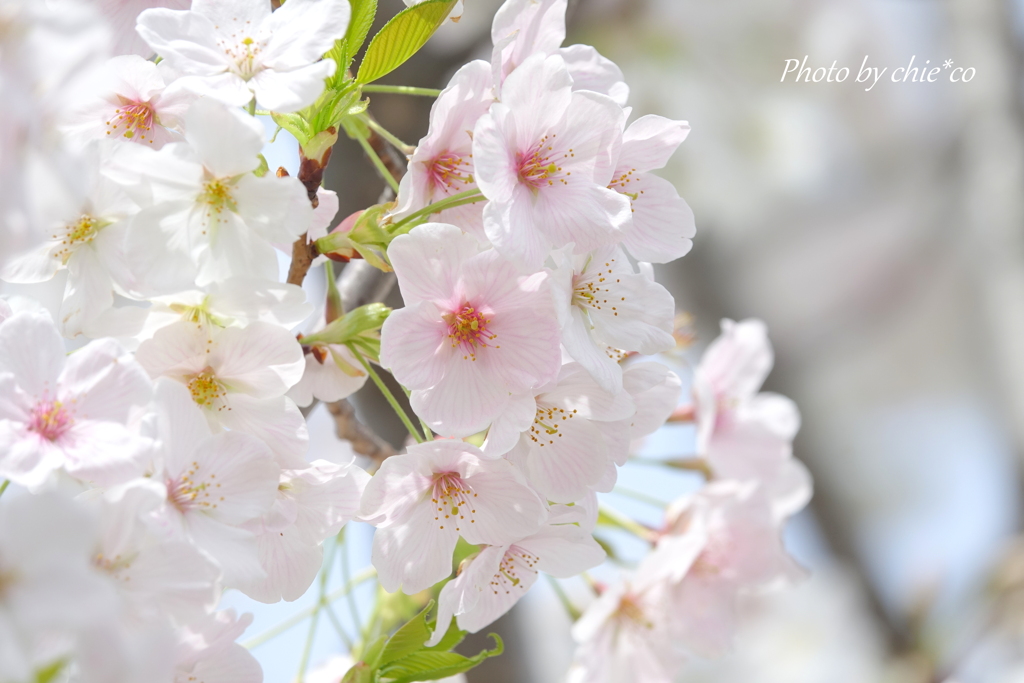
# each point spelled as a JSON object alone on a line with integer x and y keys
{"x": 522, "y": 28}
{"x": 236, "y": 50}
{"x": 207, "y": 218}
{"x": 563, "y": 437}
{"x": 211, "y": 485}
{"x": 473, "y": 330}
{"x": 134, "y": 104}
{"x": 604, "y": 303}
{"x": 238, "y": 376}
{"x": 66, "y": 412}
{"x": 744, "y": 434}
{"x": 421, "y": 502}
{"x": 312, "y": 504}
{"x": 490, "y": 583}
{"x": 623, "y": 637}
{"x": 662, "y": 223}
{"x": 544, "y": 158}
{"x": 86, "y": 235}
{"x": 720, "y": 542}
{"x": 442, "y": 164}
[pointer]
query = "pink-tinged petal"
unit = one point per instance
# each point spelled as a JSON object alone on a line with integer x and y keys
{"x": 177, "y": 350}
{"x": 791, "y": 491}
{"x": 327, "y": 496}
{"x": 429, "y": 260}
{"x": 592, "y": 131}
{"x": 161, "y": 260}
{"x": 636, "y": 315}
{"x": 650, "y": 141}
{"x": 579, "y": 342}
{"x": 104, "y": 453}
{"x": 576, "y": 390}
{"x": 737, "y": 362}
{"x": 414, "y": 345}
{"x": 291, "y": 91}
{"x": 261, "y": 359}
{"x": 226, "y": 140}
{"x": 186, "y": 39}
{"x": 25, "y": 457}
{"x": 339, "y": 375}
{"x": 302, "y": 33}
{"x": 180, "y": 424}
{"x": 662, "y": 228}
{"x": 527, "y": 351}
{"x": 415, "y": 555}
{"x": 393, "y": 493}
{"x": 464, "y": 401}
{"x": 540, "y": 91}
{"x": 534, "y": 26}
{"x": 494, "y": 153}
{"x": 592, "y": 71}
{"x": 776, "y": 413}
{"x": 234, "y": 550}
{"x": 655, "y": 390}
{"x": 564, "y": 465}
{"x": 171, "y": 577}
{"x": 494, "y": 281}
{"x": 504, "y": 432}
{"x": 15, "y": 404}
{"x": 710, "y": 634}
{"x": 89, "y": 292}
{"x": 290, "y": 562}
{"x": 232, "y": 664}
{"x": 582, "y": 213}
{"x": 232, "y": 479}
{"x": 563, "y": 550}
{"x": 276, "y": 421}
{"x": 32, "y": 350}
{"x": 228, "y": 88}
{"x": 510, "y": 227}
{"x": 277, "y": 208}
{"x": 104, "y": 382}
{"x": 122, "y": 14}
{"x": 231, "y": 248}
{"x": 507, "y": 509}
{"x": 495, "y": 594}
{"x": 38, "y": 265}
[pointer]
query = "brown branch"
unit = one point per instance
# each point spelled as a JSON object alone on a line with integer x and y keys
{"x": 364, "y": 441}
{"x": 303, "y": 253}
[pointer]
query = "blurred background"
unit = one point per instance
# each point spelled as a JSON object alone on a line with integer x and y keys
{"x": 880, "y": 234}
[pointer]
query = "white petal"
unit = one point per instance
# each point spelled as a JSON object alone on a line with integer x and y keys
{"x": 276, "y": 421}
{"x": 415, "y": 555}
{"x": 226, "y": 140}
{"x": 301, "y": 33}
{"x": 240, "y": 478}
{"x": 261, "y": 359}
{"x": 414, "y": 345}
{"x": 104, "y": 382}
{"x": 290, "y": 91}
{"x": 32, "y": 351}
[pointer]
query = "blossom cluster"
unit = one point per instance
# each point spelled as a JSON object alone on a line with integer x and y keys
{"x": 521, "y": 237}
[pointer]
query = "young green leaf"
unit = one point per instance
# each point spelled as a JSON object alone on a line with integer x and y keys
{"x": 402, "y": 37}
{"x": 407, "y": 639}
{"x": 430, "y": 665}
{"x": 363, "y": 12}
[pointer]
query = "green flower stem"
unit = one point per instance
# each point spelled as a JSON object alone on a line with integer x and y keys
{"x": 392, "y": 401}
{"x": 350, "y": 597}
{"x": 378, "y": 164}
{"x": 388, "y": 135}
{"x": 460, "y": 199}
{"x": 574, "y": 613}
{"x": 625, "y": 522}
{"x": 3, "y": 486}
{"x": 402, "y": 90}
{"x": 296, "y": 619}
{"x": 426, "y": 429}
{"x": 642, "y": 497}
{"x": 308, "y": 647}
{"x": 336, "y": 623}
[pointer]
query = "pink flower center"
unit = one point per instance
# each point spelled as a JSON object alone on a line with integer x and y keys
{"x": 50, "y": 419}
{"x": 630, "y": 613}
{"x": 467, "y": 328}
{"x": 515, "y": 563}
{"x": 537, "y": 168}
{"x": 453, "y": 497}
{"x": 133, "y": 120}
{"x": 194, "y": 490}
{"x": 450, "y": 173}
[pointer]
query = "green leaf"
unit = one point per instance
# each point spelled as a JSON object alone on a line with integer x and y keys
{"x": 402, "y": 37}
{"x": 452, "y": 637}
{"x": 363, "y": 12}
{"x": 49, "y": 672}
{"x": 407, "y": 639}
{"x": 428, "y": 665}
